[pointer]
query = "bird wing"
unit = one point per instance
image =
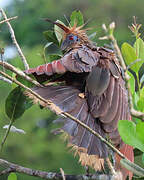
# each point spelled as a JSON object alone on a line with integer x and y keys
{"x": 104, "y": 104}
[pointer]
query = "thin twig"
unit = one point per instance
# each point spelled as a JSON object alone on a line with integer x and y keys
{"x": 5, "y": 79}
{"x": 50, "y": 104}
{"x": 6, "y": 171}
{"x": 6, "y": 135}
{"x": 14, "y": 39}
{"x": 62, "y": 173}
{"x": 19, "y": 72}
{"x": 9, "y": 19}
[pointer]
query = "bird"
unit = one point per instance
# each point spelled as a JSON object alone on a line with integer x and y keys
{"x": 87, "y": 82}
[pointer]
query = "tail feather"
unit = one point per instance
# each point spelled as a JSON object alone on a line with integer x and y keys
{"x": 128, "y": 152}
{"x": 91, "y": 149}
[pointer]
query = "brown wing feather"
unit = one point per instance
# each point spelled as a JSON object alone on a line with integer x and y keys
{"x": 113, "y": 102}
{"x": 112, "y": 125}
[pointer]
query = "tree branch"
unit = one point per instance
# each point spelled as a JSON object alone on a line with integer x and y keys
{"x": 131, "y": 166}
{"x": 20, "y": 73}
{"x": 9, "y": 19}
{"x": 14, "y": 39}
{"x": 5, "y": 79}
{"x": 11, "y": 167}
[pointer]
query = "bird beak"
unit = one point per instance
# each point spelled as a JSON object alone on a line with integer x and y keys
{"x": 64, "y": 45}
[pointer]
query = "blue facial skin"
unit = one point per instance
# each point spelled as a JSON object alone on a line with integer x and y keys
{"x": 70, "y": 39}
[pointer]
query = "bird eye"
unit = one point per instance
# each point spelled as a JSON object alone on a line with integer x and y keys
{"x": 71, "y": 38}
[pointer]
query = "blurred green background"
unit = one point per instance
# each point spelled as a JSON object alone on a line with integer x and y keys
{"x": 39, "y": 148}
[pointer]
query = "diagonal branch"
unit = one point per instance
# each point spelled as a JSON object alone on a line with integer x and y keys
{"x": 11, "y": 167}
{"x": 14, "y": 39}
{"x": 19, "y": 72}
{"x": 5, "y": 79}
{"x": 129, "y": 165}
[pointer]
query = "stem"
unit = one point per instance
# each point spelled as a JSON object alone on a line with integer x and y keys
{"x": 14, "y": 39}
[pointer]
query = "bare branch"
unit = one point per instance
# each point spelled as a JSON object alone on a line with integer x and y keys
{"x": 19, "y": 72}
{"x": 5, "y": 79}
{"x": 57, "y": 110}
{"x": 11, "y": 167}
{"x": 9, "y": 19}
{"x": 6, "y": 171}
{"x": 14, "y": 40}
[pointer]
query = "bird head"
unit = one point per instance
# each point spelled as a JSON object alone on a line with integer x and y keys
{"x": 72, "y": 36}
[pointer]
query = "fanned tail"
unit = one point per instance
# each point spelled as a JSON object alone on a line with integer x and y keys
{"x": 92, "y": 150}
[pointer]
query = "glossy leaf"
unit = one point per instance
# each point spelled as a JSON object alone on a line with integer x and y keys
{"x": 130, "y": 57}
{"x": 140, "y": 131}
{"x": 24, "y": 81}
{"x": 51, "y": 37}
{"x": 139, "y": 49}
{"x": 132, "y": 82}
{"x": 140, "y": 102}
{"x": 76, "y": 17}
{"x": 48, "y": 44}
{"x": 127, "y": 130}
{"x": 58, "y": 31}
{"x": 16, "y": 103}
{"x": 12, "y": 176}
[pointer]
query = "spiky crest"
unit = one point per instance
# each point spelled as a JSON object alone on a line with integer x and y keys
{"x": 78, "y": 31}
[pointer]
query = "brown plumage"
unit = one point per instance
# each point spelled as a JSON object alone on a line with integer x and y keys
{"x": 95, "y": 73}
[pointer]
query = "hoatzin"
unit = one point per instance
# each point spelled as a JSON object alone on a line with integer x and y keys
{"x": 91, "y": 88}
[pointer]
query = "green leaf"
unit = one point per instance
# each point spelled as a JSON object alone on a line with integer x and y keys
{"x": 140, "y": 102}
{"x": 24, "y": 81}
{"x": 47, "y": 45}
{"x": 76, "y": 17}
{"x": 52, "y": 57}
{"x": 136, "y": 98}
{"x": 139, "y": 49}
{"x": 140, "y": 131}
{"x": 130, "y": 57}
{"x": 127, "y": 130}
{"x": 51, "y": 37}
{"x": 16, "y": 103}
{"x": 132, "y": 82}
{"x": 58, "y": 31}
{"x": 12, "y": 176}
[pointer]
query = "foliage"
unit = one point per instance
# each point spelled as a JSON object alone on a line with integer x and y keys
{"x": 39, "y": 147}
{"x": 12, "y": 176}
{"x": 76, "y": 18}
{"x": 16, "y": 103}
{"x": 132, "y": 132}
